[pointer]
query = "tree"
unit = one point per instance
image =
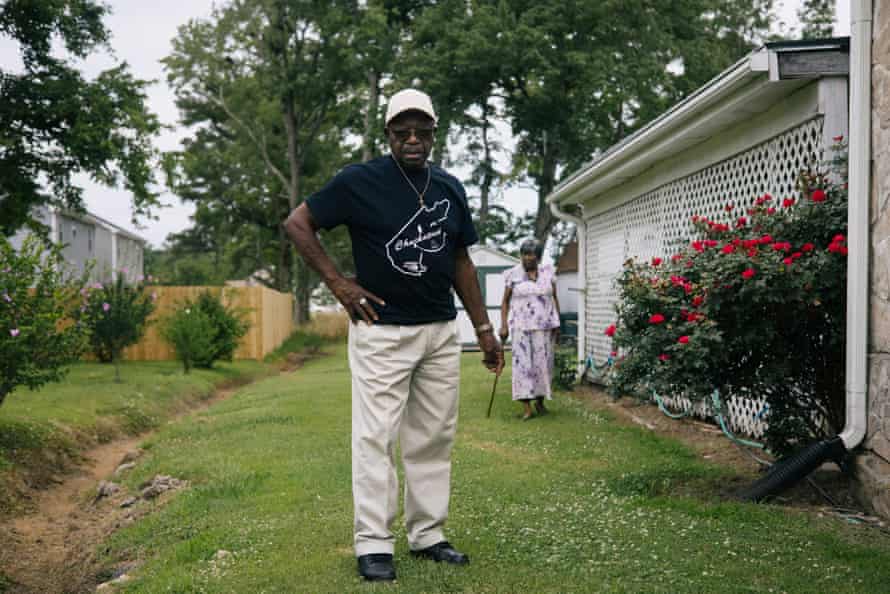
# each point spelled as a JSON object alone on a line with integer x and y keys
{"x": 817, "y": 18}
{"x": 116, "y": 314}
{"x": 37, "y": 304}
{"x": 573, "y": 78}
{"x": 266, "y": 78}
{"x": 55, "y": 123}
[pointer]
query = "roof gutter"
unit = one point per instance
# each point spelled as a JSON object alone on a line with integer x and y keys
{"x": 581, "y": 234}
{"x": 857, "y": 223}
{"x": 728, "y": 81}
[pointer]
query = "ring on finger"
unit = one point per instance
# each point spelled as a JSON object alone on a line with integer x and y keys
{"x": 362, "y": 301}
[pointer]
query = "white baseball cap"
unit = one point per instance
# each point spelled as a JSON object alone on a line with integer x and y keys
{"x": 407, "y": 100}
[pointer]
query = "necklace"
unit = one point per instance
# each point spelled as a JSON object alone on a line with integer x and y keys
{"x": 420, "y": 195}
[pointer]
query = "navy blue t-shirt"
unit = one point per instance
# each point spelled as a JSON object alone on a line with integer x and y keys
{"x": 403, "y": 253}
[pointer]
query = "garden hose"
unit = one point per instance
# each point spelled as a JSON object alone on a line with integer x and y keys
{"x": 718, "y": 414}
{"x": 662, "y": 408}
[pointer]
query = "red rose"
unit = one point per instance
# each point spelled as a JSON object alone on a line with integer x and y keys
{"x": 656, "y": 318}
{"x": 770, "y": 210}
{"x": 766, "y": 239}
{"x": 729, "y": 207}
{"x": 663, "y": 357}
{"x": 697, "y": 300}
{"x": 683, "y": 340}
{"x": 778, "y": 246}
{"x": 697, "y": 246}
{"x": 838, "y": 238}
{"x": 677, "y": 257}
{"x": 613, "y": 354}
{"x": 710, "y": 243}
{"x": 695, "y": 218}
{"x": 749, "y": 273}
{"x": 797, "y": 255}
{"x": 834, "y": 247}
{"x": 688, "y": 263}
{"x": 656, "y": 261}
{"x": 741, "y": 222}
{"x": 818, "y": 196}
{"x": 788, "y": 261}
{"x": 752, "y": 252}
{"x": 728, "y": 248}
{"x": 788, "y": 202}
{"x": 837, "y": 138}
{"x": 767, "y": 197}
{"x": 610, "y": 331}
{"x": 807, "y": 247}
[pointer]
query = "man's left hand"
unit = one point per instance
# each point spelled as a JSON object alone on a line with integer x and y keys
{"x": 492, "y": 353}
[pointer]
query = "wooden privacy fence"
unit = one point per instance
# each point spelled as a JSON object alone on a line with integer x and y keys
{"x": 269, "y": 313}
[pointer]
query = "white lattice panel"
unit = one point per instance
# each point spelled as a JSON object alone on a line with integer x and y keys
{"x": 654, "y": 223}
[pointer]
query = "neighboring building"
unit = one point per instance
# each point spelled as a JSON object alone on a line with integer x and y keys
{"x": 567, "y": 288}
{"x": 490, "y": 267}
{"x": 89, "y": 239}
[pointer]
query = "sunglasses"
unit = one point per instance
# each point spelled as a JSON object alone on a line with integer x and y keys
{"x": 421, "y": 134}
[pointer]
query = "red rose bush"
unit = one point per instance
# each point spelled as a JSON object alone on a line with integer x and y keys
{"x": 752, "y": 306}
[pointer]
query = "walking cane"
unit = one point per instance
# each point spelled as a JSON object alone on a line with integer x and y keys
{"x": 493, "y": 388}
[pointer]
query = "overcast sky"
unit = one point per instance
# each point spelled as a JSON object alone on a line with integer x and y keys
{"x": 141, "y": 33}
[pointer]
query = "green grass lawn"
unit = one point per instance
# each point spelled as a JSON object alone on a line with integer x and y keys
{"x": 571, "y": 502}
{"x": 40, "y": 429}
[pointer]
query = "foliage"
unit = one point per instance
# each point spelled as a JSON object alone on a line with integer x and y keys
{"x": 37, "y": 304}
{"x": 116, "y": 314}
{"x": 203, "y": 331}
{"x": 57, "y": 124}
{"x": 261, "y": 81}
{"x": 817, "y": 18}
{"x": 570, "y": 78}
{"x": 565, "y": 367}
{"x": 755, "y": 307}
{"x": 228, "y": 323}
{"x": 191, "y": 333}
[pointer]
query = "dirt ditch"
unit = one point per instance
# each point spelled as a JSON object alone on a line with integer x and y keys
{"x": 53, "y": 547}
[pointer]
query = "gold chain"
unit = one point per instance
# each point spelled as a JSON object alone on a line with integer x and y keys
{"x": 420, "y": 195}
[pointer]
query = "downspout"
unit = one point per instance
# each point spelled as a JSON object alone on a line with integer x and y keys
{"x": 582, "y": 274}
{"x": 857, "y": 223}
{"x": 788, "y": 471}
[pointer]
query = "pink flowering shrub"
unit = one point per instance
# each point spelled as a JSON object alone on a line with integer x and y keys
{"x": 117, "y": 314}
{"x": 753, "y": 306}
{"x": 37, "y": 303}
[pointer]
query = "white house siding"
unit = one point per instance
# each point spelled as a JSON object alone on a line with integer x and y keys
{"x": 567, "y": 292}
{"x": 91, "y": 242}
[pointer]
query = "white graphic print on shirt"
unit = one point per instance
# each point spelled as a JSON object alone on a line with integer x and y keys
{"x": 423, "y": 233}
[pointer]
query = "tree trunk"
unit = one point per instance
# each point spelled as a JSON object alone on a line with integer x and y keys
{"x": 487, "y": 175}
{"x": 544, "y": 220}
{"x": 302, "y": 293}
{"x": 371, "y": 115}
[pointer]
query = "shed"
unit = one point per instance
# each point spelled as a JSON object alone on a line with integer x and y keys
{"x": 490, "y": 267}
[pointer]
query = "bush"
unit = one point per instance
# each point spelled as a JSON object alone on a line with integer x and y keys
{"x": 191, "y": 333}
{"x": 117, "y": 315}
{"x": 755, "y": 308}
{"x": 228, "y": 323}
{"x": 203, "y": 331}
{"x": 37, "y": 305}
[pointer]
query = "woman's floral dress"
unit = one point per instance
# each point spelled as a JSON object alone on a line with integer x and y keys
{"x": 532, "y": 318}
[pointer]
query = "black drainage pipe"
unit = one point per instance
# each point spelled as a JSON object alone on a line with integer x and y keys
{"x": 788, "y": 471}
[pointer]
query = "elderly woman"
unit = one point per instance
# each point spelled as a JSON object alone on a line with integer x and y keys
{"x": 530, "y": 312}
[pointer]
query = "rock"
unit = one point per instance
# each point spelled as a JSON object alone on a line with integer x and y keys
{"x": 129, "y": 501}
{"x": 124, "y": 467}
{"x": 222, "y": 554}
{"x": 106, "y": 489}
{"x": 132, "y": 456}
{"x": 161, "y": 483}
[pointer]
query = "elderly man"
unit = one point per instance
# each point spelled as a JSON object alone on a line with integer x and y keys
{"x": 410, "y": 227}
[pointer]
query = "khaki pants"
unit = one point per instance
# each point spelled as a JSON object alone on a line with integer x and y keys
{"x": 405, "y": 382}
